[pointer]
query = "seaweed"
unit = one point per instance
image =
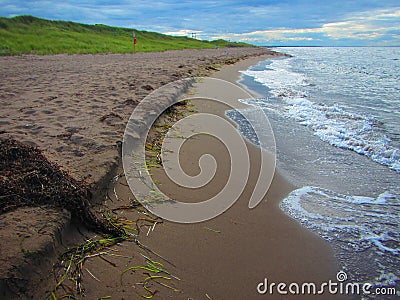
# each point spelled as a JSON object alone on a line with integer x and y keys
{"x": 28, "y": 178}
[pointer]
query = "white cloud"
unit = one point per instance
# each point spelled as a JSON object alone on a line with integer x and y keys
{"x": 183, "y": 32}
{"x": 272, "y": 35}
{"x": 369, "y": 25}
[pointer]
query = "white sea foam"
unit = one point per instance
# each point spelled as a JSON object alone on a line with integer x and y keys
{"x": 333, "y": 123}
{"x": 363, "y": 230}
{"x": 344, "y": 129}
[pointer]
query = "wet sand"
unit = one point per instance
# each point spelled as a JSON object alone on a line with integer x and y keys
{"x": 227, "y": 257}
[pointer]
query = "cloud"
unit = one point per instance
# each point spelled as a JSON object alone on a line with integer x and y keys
{"x": 183, "y": 32}
{"x": 367, "y": 25}
{"x": 381, "y": 24}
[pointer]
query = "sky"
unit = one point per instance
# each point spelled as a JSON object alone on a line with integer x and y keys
{"x": 266, "y": 22}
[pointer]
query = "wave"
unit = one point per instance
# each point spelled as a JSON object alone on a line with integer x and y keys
{"x": 362, "y": 230}
{"x": 334, "y": 124}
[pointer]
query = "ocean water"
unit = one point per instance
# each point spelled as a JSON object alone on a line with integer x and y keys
{"x": 335, "y": 113}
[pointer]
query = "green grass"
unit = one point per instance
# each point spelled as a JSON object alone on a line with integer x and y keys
{"x": 31, "y": 35}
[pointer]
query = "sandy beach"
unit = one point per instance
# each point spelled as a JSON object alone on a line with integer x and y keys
{"x": 75, "y": 109}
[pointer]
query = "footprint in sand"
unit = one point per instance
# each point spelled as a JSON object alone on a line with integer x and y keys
{"x": 29, "y": 112}
{"x": 48, "y": 112}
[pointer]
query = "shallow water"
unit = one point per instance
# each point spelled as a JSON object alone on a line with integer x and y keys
{"x": 335, "y": 113}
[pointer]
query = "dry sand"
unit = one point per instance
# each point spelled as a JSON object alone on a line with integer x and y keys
{"x": 75, "y": 107}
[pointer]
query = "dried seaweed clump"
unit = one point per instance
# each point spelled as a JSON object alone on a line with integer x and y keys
{"x": 28, "y": 178}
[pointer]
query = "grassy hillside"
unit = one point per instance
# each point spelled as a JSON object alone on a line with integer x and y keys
{"x": 27, "y": 34}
